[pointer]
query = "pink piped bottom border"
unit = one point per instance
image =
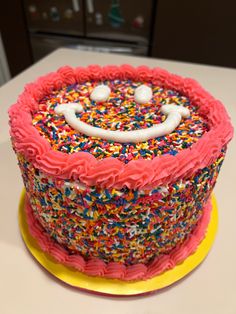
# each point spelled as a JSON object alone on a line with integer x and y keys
{"x": 115, "y": 270}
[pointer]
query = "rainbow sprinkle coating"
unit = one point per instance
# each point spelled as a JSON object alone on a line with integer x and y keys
{"x": 127, "y": 226}
{"x": 119, "y": 112}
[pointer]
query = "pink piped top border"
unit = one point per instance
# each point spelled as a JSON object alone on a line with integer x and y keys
{"x": 111, "y": 172}
{"x": 114, "y": 270}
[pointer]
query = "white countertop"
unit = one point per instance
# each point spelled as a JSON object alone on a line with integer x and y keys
{"x": 26, "y": 288}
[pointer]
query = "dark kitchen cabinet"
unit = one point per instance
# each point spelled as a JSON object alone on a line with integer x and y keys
{"x": 202, "y": 31}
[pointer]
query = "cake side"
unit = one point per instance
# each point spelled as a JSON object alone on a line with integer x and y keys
{"x": 125, "y": 226}
{"x": 115, "y": 270}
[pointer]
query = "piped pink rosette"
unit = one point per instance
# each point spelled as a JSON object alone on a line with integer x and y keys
{"x": 111, "y": 172}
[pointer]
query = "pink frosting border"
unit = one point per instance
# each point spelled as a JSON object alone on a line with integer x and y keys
{"x": 111, "y": 172}
{"x": 114, "y": 270}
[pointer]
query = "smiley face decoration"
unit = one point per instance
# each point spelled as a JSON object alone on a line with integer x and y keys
{"x": 143, "y": 94}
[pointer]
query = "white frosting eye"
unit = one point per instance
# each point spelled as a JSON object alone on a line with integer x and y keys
{"x": 143, "y": 94}
{"x": 100, "y": 93}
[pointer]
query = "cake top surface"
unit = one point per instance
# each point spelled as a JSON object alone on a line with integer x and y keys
{"x": 121, "y": 111}
{"x": 188, "y": 126}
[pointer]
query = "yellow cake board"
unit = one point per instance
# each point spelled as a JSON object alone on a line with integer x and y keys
{"x": 114, "y": 286}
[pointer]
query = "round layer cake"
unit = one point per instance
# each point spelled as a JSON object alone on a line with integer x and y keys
{"x": 118, "y": 165}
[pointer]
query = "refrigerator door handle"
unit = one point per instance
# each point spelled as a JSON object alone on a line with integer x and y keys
{"x": 75, "y": 5}
{"x": 90, "y": 6}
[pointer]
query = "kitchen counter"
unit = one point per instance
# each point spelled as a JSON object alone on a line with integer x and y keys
{"x": 26, "y": 288}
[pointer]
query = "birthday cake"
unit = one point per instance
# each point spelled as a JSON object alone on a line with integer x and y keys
{"x": 118, "y": 165}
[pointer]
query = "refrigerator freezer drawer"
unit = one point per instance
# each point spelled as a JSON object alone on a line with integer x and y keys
{"x": 45, "y": 44}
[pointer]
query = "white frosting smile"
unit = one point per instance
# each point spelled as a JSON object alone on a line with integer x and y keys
{"x": 173, "y": 113}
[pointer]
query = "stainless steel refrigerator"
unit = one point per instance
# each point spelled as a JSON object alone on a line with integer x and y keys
{"x": 121, "y": 26}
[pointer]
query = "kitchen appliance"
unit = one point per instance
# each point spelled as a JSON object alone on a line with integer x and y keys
{"x": 118, "y": 26}
{"x": 4, "y": 69}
